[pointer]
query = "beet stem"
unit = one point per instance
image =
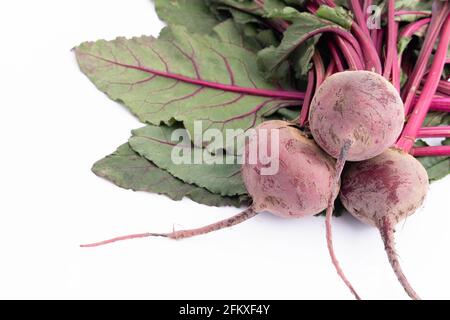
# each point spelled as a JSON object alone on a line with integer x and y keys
{"x": 434, "y": 132}
{"x": 359, "y": 16}
{"x": 329, "y": 215}
{"x": 408, "y": 136}
{"x": 439, "y": 15}
{"x": 432, "y": 151}
{"x": 182, "y": 234}
{"x": 387, "y": 234}
{"x": 391, "y": 55}
{"x": 349, "y": 46}
{"x": 335, "y": 56}
{"x": 308, "y": 97}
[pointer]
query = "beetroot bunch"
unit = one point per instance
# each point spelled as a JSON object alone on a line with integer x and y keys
{"x": 363, "y": 107}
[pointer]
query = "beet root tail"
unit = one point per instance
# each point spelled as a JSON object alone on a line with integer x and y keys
{"x": 182, "y": 234}
{"x": 387, "y": 234}
{"x": 329, "y": 215}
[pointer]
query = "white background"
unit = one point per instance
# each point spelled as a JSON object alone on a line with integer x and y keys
{"x": 54, "y": 125}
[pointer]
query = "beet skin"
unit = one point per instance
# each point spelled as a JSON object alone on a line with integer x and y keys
{"x": 357, "y": 106}
{"x": 303, "y": 183}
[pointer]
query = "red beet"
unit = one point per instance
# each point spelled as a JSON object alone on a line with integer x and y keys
{"x": 383, "y": 191}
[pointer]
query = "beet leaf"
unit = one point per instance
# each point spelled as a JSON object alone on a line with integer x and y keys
{"x": 128, "y": 170}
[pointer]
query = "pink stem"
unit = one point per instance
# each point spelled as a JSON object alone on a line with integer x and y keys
{"x": 417, "y": 117}
{"x": 438, "y": 151}
{"x": 379, "y": 42}
{"x": 440, "y": 108}
{"x": 330, "y": 69}
{"x": 311, "y": 7}
{"x": 351, "y": 56}
{"x": 275, "y": 24}
{"x": 329, "y": 3}
{"x": 374, "y": 36}
{"x": 438, "y": 17}
{"x": 413, "y": 27}
{"x": 319, "y": 68}
{"x": 359, "y": 16}
{"x": 434, "y": 132}
{"x": 336, "y": 57}
{"x": 439, "y": 104}
{"x": 396, "y": 67}
{"x": 348, "y": 45}
{"x": 308, "y": 97}
{"x": 284, "y": 24}
{"x": 319, "y": 77}
{"x": 371, "y": 57}
{"x": 447, "y": 61}
{"x": 444, "y": 87}
{"x": 410, "y": 29}
{"x": 367, "y": 4}
{"x": 406, "y": 12}
{"x": 392, "y": 41}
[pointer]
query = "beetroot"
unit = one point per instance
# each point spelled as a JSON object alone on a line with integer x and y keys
{"x": 386, "y": 189}
{"x": 383, "y": 191}
{"x": 360, "y": 107}
{"x": 302, "y": 185}
{"x": 391, "y": 185}
{"x": 355, "y": 115}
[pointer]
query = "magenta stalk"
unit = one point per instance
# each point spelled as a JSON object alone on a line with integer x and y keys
{"x": 331, "y": 68}
{"x": 437, "y": 151}
{"x": 440, "y": 12}
{"x": 392, "y": 41}
{"x": 410, "y": 29}
{"x": 348, "y": 45}
{"x": 434, "y": 132}
{"x": 413, "y": 27}
{"x": 438, "y": 104}
{"x": 308, "y": 96}
{"x": 420, "y": 111}
{"x": 359, "y": 16}
{"x": 370, "y": 55}
{"x": 336, "y": 58}
{"x": 318, "y": 76}
{"x": 406, "y": 13}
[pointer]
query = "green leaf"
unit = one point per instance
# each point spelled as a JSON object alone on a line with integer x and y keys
{"x": 287, "y": 114}
{"x": 435, "y": 118}
{"x": 286, "y": 13}
{"x": 437, "y": 167}
{"x": 250, "y": 6}
{"x": 128, "y": 170}
{"x": 193, "y": 14}
{"x": 228, "y": 32}
{"x": 273, "y": 61}
{"x": 157, "y": 144}
{"x": 267, "y": 38}
{"x": 403, "y": 42}
{"x": 446, "y": 142}
{"x": 413, "y": 5}
{"x": 302, "y": 56}
{"x": 184, "y": 77}
{"x": 338, "y": 15}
